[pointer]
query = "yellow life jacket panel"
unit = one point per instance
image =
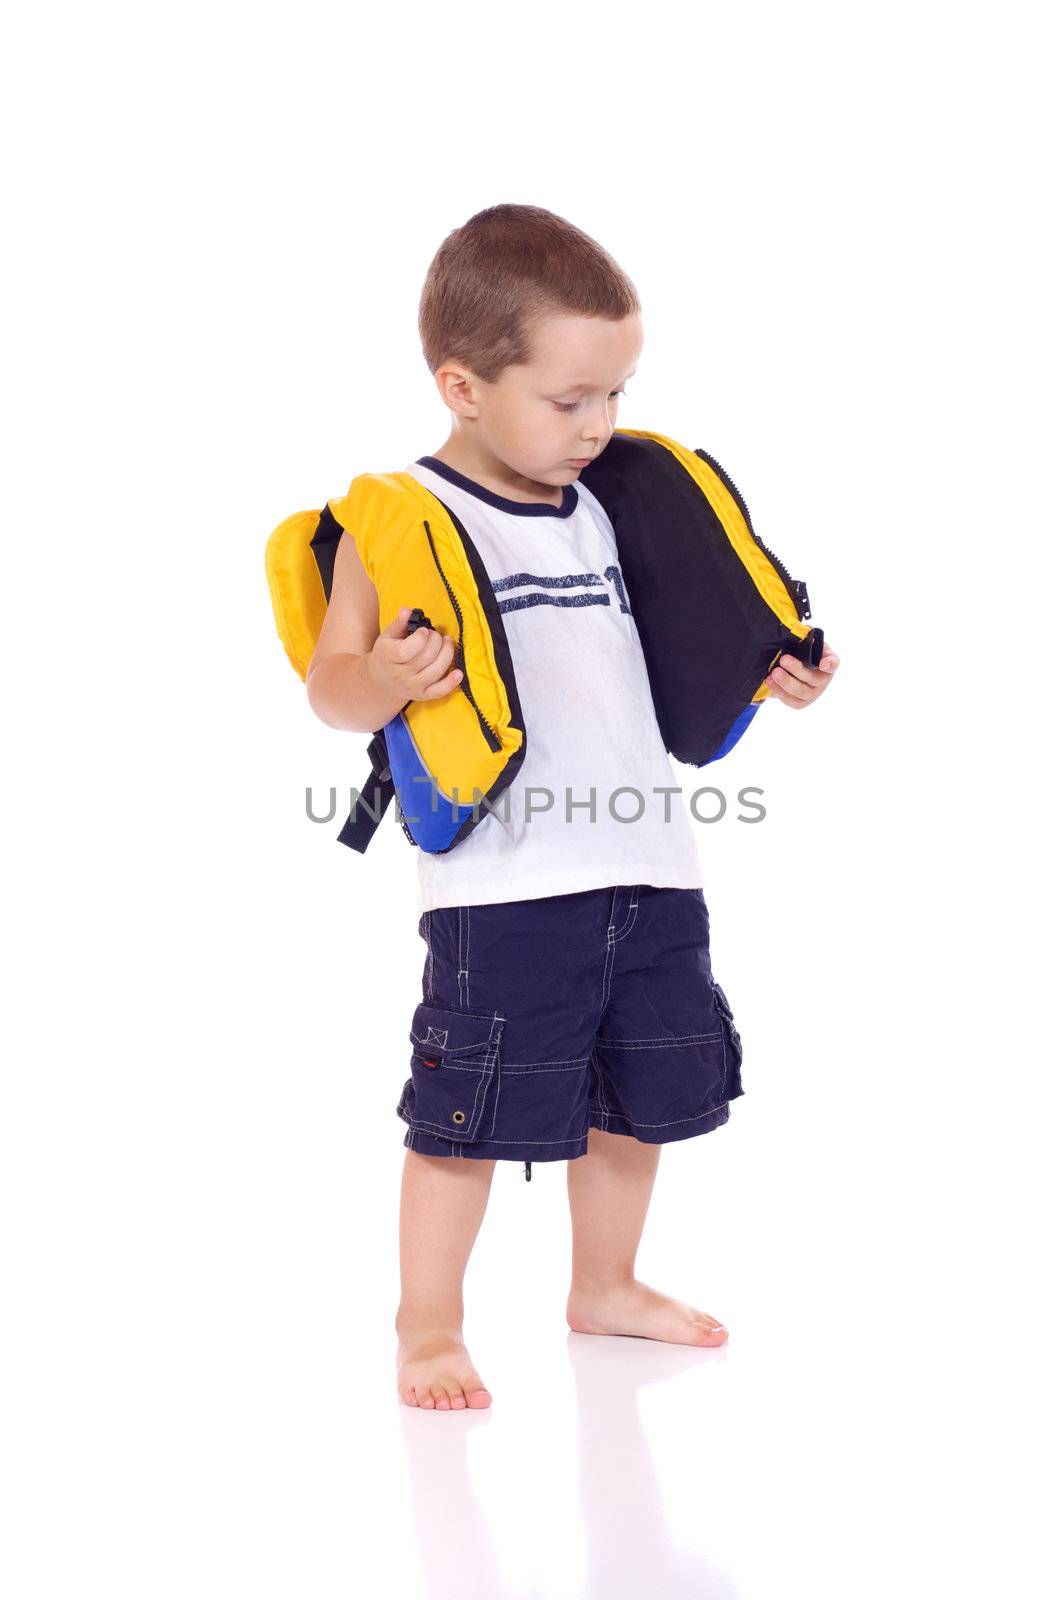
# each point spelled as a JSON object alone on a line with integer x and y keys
{"x": 713, "y": 606}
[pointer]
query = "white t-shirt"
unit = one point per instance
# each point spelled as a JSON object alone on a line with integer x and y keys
{"x": 590, "y": 725}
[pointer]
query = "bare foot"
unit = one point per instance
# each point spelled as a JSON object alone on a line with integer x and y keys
{"x": 636, "y": 1309}
{"x": 435, "y": 1372}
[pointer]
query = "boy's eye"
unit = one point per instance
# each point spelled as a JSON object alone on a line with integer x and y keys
{"x": 571, "y": 406}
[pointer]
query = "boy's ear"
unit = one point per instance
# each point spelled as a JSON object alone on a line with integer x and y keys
{"x": 454, "y": 383}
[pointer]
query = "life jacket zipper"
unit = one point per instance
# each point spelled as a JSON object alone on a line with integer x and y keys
{"x": 796, "y": 587}
{"x": 492, "y": 738}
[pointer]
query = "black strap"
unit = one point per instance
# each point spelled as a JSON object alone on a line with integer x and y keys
{"x": 373, "y": 800}
{"x": 810, "y": 649}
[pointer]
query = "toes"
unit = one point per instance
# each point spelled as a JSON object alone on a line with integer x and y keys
{"x": 447, "y": 1395}
{"x": 710, "y": 1329}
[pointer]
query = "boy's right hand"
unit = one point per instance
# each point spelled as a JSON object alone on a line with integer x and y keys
{"x": 416, "y": 665}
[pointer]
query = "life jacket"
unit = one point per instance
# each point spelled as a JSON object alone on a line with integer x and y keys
{"x": 713, "y": 606}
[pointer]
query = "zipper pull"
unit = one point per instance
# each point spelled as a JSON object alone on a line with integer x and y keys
{"x": 528, "y": 1172}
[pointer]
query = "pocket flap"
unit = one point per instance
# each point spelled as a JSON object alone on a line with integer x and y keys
{"x": 453, "y": 1035}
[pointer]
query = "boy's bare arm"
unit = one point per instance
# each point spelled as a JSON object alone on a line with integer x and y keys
{"x": 359, "y": 677}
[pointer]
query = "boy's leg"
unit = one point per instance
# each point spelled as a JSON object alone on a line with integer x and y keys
{"x": 441, "y": 1206}
{"x": 609, "y": 1195}
{"x": 499, "y": 1044}
{"x": 665, "y": 1064}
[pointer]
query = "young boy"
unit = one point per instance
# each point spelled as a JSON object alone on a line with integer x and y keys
{"x": 568, "y": 945}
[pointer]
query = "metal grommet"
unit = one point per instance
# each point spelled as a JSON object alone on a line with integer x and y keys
{"x": 457, "y": 1116}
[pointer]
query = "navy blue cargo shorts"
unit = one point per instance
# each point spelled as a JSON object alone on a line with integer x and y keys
{"x": 543, "y": 1018}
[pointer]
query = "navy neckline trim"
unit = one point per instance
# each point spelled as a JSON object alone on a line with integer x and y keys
{"x": 520, "y": 508}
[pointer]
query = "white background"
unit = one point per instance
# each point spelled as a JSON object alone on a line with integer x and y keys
{"x": 842, "y": 224}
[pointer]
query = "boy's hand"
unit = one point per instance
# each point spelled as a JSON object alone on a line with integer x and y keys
{"x": 416, "y": 666}
{"x": 797, "y": 685}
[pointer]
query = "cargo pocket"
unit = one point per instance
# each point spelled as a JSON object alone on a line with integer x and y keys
{"x": 454, "y": 1070}
{"x": 733, "y": 1044}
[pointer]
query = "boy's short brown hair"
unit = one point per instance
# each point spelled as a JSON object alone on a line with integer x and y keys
{"x": 508, "y": 267}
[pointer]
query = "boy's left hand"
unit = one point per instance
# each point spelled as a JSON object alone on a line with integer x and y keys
{"x": 797, "y": 685}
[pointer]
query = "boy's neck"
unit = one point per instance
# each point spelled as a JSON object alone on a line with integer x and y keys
{"x": 521, "y": 489}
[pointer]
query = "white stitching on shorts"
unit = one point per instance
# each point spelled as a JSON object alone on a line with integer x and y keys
{"x": 608, "y": 968}
{"x": 596, "y": 1069}
{"x": 606, "y": 971}
{"x": 579, "y": 1139}
{"x": 490, "y": 1060}
{"x": 463, "y": 955}
{"x": 661, "y": 1044}
{"x": 675, "y": 1121}
{"x": 456, "y": 1066}
{"x": 457, "y": 1149}
{"x": 633, "y": 906}
{"x": 613, "y": 938}
{"x": 493, "y": 1074}
{"x": 575, "y": 1064}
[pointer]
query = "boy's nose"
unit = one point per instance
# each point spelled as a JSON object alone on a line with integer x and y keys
{"x": 603, "y": 428}
{"x": 598, "y": 440}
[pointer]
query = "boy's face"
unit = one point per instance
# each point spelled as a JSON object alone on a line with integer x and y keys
{"x": 539, "y": 420}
